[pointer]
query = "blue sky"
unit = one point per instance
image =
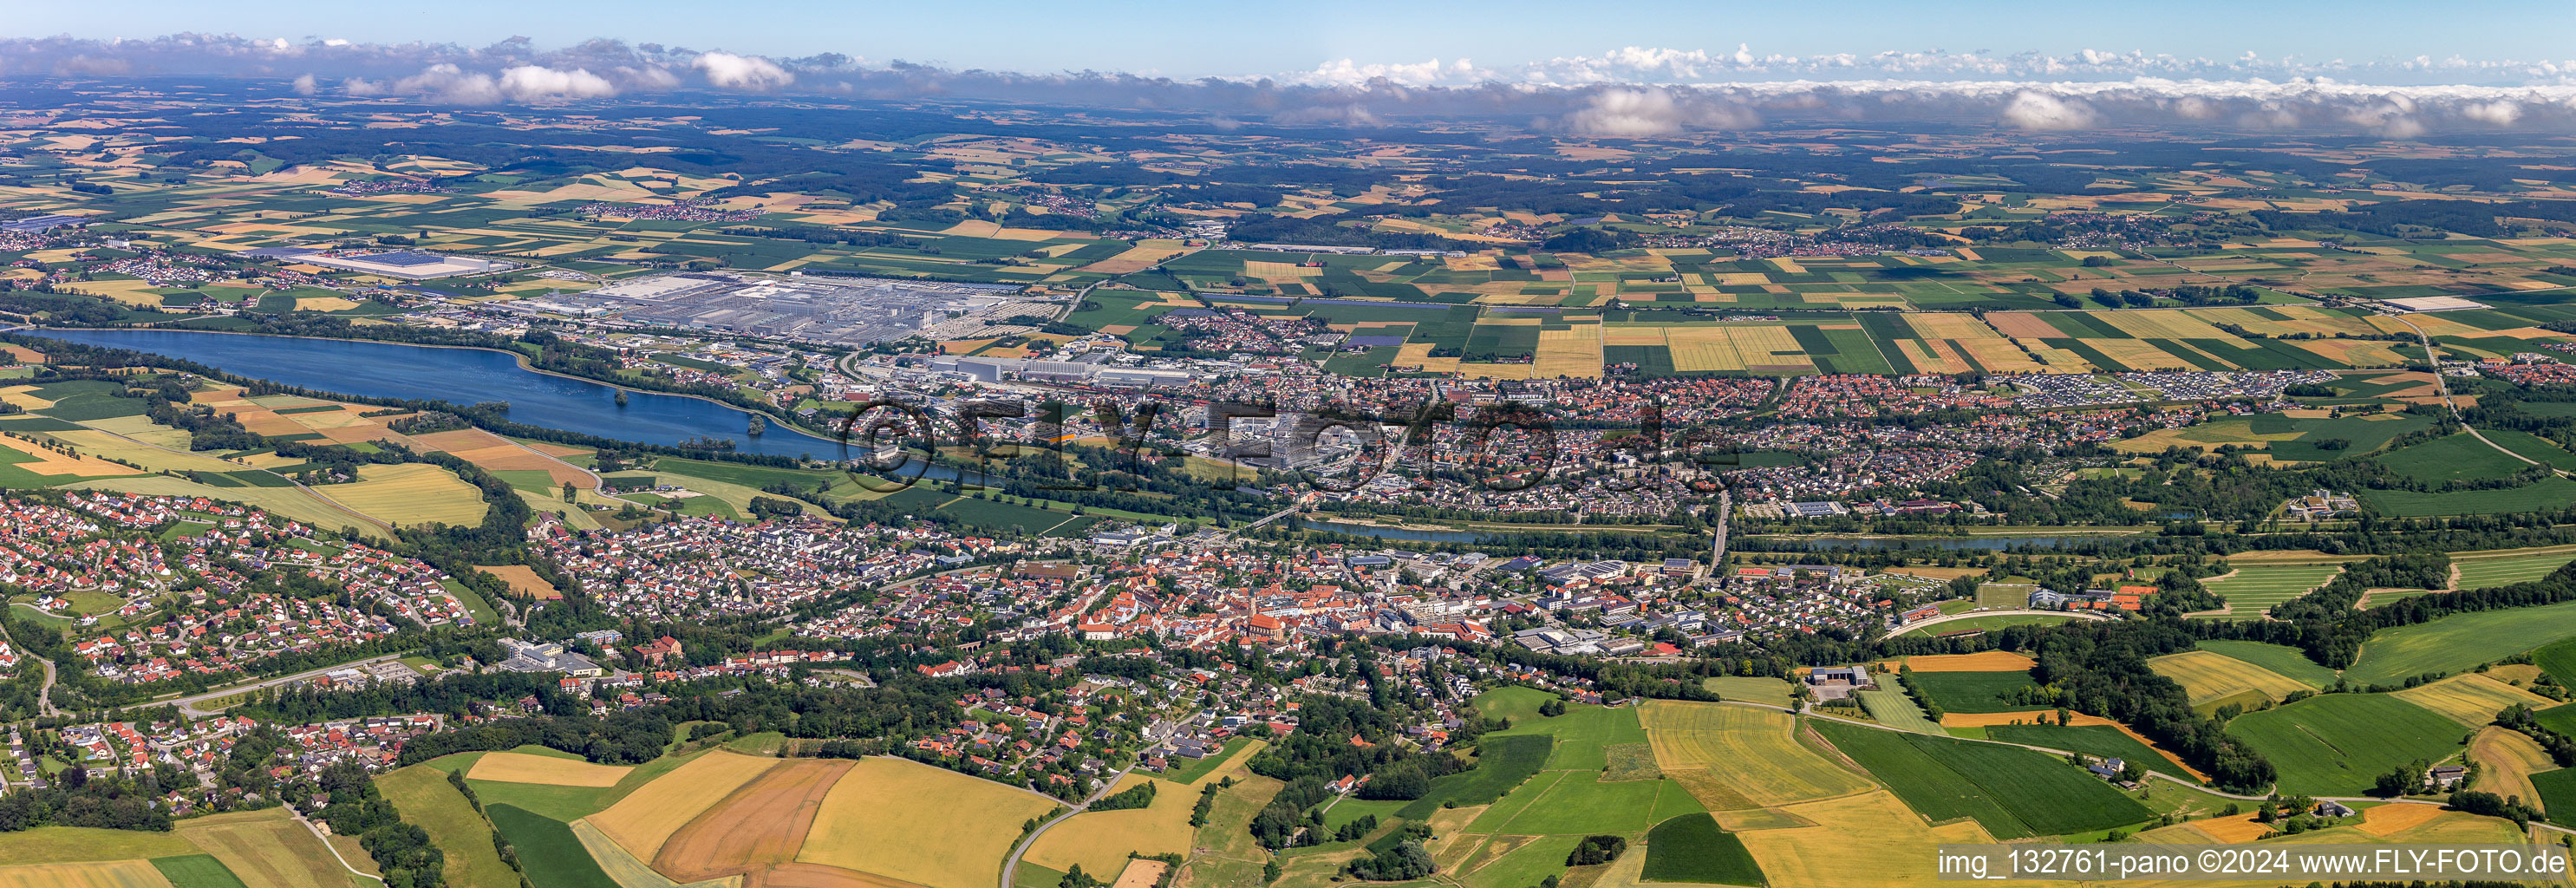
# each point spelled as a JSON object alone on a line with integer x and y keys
{"x": 1216, "y": 38}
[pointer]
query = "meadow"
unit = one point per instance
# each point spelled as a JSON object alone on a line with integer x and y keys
{"x": 2252, "y": 589}
{"x": 2107, "y": 741}
{"x": 2012, "y": 792}
{"x": 425, "y": 799}
{"x": 266, "y": 848}
{"x": 1974, "y": 691}
{"x": 1704, "y": 745}
{"x": 2213, "y": 679}
{"x": 1691, "y": 848}
{"x": 2458, "y": 642}
{"x": 2484, "y": 570}
{"x": 549, "y": 854}
{"x": 2337, "y": 744}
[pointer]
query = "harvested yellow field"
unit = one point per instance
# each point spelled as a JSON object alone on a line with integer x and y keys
{"x": 266, "y": 848}
{"x": 2356, "y": 352}
{"x": 2232, "y": 830}
{"x": 2136, "y": 355}
{"x": 2471, "y": 699}
{"x": 411, "y": 494}
{"x": 1950, "y": 325}
{"x": 925, "y": 825}
{"x": 323, "y": 303}
{"x": 1279, "y": 270}
{"x": 1703, "y": 348}
{"x": 1870, "y": 840}
{"x": 1632, "y": 334}
{"x": 2023, "y": 325}
{"x": 2160, "y": 324}
{"x": 112, "y": 874}
{"x": 2388, "y": 820}
{"x": 1933, "y": 356}
{"x": 1099, "y": 841}
{"x": 2505, "y": 761}
{"x": 2210, "y": 676}
{"x": 520, "y": 767}
{"x": 1771, "y": 349}
{"x": 523, "y": 580}
{"x": 646, "y": 818}
{"x": 153, "y": 458}
{"x": 1709, "y": 745}
{"x": 43, "y": 461}
{"x": 1985, "y": 661}
{"x": 1575, "y": 352}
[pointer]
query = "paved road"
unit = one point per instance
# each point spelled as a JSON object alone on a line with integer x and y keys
{"x": 1011, "y": 864}
{"x": 188, "y": 704}
{"x": 1968, "y": 615}
{"x": 326, "y": 843}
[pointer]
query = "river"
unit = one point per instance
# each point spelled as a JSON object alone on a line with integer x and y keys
{"x": 464, "y": 376}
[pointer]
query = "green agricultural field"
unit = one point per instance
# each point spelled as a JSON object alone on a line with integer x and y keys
{"x": 2013, "y": 792}
{"x": 2288, "y": 662}
{"x": 1579, "y": 803}
{"x": 2101, "y": 740}
{"x": 2459, "y": 642}
{"x": 1749, "y": 688}
{"x": 1502, "y": 764}
{"x": 2557, "y": 795}
{"x": 2337, "y": 744}
{"x": 548, "y": 851}
{"x": 2532, "y": 447}
{"x": 2547, "y": 494}
{"x": 1973, "y": 691}
{"x": 2558, "y": 658}
{"x": 427, "y": 801}
{"x": 2460, "y": 457}
{"x": 2253, "y": 589}
{"x": 196, "y": 871}
{"x": 1691, "y": 848}
{"x": 1190, "y": 773}
{"x": 1896, "y": 709}
{"x": 2485, "y": 571}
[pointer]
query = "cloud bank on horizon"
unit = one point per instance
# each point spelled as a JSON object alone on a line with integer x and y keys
{"x": 1631, "y": 92}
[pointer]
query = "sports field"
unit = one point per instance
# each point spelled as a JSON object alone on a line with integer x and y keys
{"x": 2254, "y": 588}
{"x": 2455, "y": 643}
{"x": 925, "y": 825}
{"x": 2337, "y": 744}
{"x": 1706, "y": 746}
{"x": 2012, "y": 792}
{"x": 647, "y": 817}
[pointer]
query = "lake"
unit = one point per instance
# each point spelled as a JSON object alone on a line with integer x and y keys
{"x": 464, "y": 376}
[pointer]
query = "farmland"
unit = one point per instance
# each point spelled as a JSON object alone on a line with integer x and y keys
{"x": 2010, "y": 791}
{"x": 2454, "y": 643}
{"x": 1691, "y": 848}
{"x": 547, "y": 849}
{"x": 646, "y": 818}
{"x": 762, "y": 826}
{"x": 920, "y": 824}
{"x": 2106, "y": 741}
{"x": 1974, "y": 691}
{"x": 2483, "y": 570}
{"x": 1102, "y": 841}
{"x": 2336, "y": 744}
{"x": 1700, "y": 745}
{"x": 2472, "y": 700}
{"x": 411, "y": 494}
{"x": 266, "y": 848}
{"x": 518, "y": 767}
{"x": 425, "y": 799}
{"x": 2253, "y": 589}
{"x": 2214, "y": 679}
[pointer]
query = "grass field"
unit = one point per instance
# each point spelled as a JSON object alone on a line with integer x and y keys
{"x": 2101, "y": 740}
{"x": 267, "y": 848}
{"x": 2454, "y": 458}
{"x": 1705, "y": 747}
{"x": 2337, "y": 744}
{"x": 2557, "y": 790}
{"x": 2484, "y": 571}
{"x": 1192, "y": 771}
{"x": 2211, "y": 677}
{"x": 2549, "y": 493}
{"x": 1973, "y": 691}
{"x": 101, "y": 874}
{"x": 1502, "y": 763}
{"x": 2012, "y": 792}
{"x": 516, "y": 767}
{"x": 411, "y": 494}
{"x": 2282, "y": 660}
{"x": 74, "y": 844}
{"x": 1224, "y": 854}
{"x": 2558, "y": 658}
{"x": 1578, "y": 803}
{"x": 422, "y": 795}
{"x": 2456, "y": 643}
{"x": 924, "y": 825}
{"x": 549, "y": 853}
{"x": 202, "y": 871}
{"x": 2255, "y": 588}
{"x": 1895, "y": 708}
{"x": 1750, "y": 688}
{"x": 1691, "y": 848}
{"x": 648, "y": 816}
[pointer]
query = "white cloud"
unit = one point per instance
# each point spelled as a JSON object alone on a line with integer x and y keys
{"x": 304, "y": 85}
{"x": 749, "y": 73}
{"x": 531, "y": 83}
{"x": 2037, "y": 111}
